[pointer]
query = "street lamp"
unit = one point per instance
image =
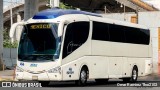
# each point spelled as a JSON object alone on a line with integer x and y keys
{"x": 124, "y": 9}
{"x": 11, "y": 14}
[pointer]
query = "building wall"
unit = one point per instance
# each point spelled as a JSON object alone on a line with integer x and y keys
{"x": 120, "y": 16}
{"x": 152, "y": 20}
{"x": 10, "y": 56}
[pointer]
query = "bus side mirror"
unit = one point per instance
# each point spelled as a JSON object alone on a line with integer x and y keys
{"x": 13, "y": 29}
{"x": 61, "y": 27}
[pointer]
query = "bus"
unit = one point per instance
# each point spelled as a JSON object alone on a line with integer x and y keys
{"x": 72, "y": 45}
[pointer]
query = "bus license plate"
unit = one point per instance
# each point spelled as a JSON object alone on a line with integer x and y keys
{"x": 34, "y": 77}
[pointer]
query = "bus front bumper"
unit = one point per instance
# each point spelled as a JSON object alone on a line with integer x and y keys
{"x": 39, "y": 77}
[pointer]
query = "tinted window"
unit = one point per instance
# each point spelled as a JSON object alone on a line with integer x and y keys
{"x": 116, "y": 33}
{"x": 137, "y": 36}
{"x": 38, "y": 42}
{"x": 76, "y": 34}
{"x": 100, "y": 31}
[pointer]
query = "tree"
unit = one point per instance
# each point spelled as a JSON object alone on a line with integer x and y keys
{"x": 64, "y": 6}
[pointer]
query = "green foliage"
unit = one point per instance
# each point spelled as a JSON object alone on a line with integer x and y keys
{"x": 65, "y": 6}
{"x": 5, "y": 34}
{"x": 7, "y": 42}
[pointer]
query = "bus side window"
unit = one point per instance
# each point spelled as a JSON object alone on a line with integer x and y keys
{"x": 116, "y": 33}
{"x": 76, "y": 35}
{"x": 100, "y": 31}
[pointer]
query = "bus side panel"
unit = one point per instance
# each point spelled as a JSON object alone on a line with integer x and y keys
{"x": 97, "y": 65}
{"x": 115, "y": 67}
{"x": 140, "y": 63}
{"x": 127, "y": 68}
{"x": 148, "y": 66}
{"x": 99, "y": 68}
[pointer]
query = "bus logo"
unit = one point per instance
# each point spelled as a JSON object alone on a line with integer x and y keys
{"x": 70, "y": 71}
{"x": 33, "y": 65}
{"x": 21, "y": 64}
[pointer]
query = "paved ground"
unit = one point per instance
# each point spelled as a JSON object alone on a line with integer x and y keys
{"x": 8, "y": 74}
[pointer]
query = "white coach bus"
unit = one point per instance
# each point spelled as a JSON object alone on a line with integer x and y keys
{"x": 70, "y": 45}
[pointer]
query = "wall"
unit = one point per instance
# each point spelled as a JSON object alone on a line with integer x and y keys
{"x": 152, "y": 20}
{"x": 120, "y": 16}
{"x": 10, "y": 56}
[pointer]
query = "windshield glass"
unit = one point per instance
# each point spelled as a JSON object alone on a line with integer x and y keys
{"x": 39, "y": 42}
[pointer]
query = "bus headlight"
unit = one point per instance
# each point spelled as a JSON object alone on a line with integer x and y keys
{"x": 55, "y": 70}
{"x": 18, "y": 69}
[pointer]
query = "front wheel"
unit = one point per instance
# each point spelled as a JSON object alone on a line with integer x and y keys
{"x": 83, "y": 77}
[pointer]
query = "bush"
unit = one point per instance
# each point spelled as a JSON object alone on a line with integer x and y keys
{"x": 6, "y": 40}
{"x": 9, "y": 44}
{"x": 65, "y": 6}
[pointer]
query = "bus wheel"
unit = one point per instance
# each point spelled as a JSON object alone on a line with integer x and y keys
{"x": 101, "y": 81}
{"x": 133, "y": 77}
{"x": 44, "y": 83}
{"x": 134, "y": 74}
{"x": 83, "y": 77}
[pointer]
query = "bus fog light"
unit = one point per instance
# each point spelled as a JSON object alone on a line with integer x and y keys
{"x": 55, "y": 70}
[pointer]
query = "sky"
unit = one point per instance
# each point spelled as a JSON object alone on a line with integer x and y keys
{"x": 8, "y": 2}
{"x": 155, "y": 3}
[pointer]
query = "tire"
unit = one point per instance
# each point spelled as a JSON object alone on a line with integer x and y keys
{"x": 134, "y": 74}
{"x": 44, "y": 83}
{"x": 83, "y": 77}
{"x": 101, "y": 81}
{"x": 133, "y": 77}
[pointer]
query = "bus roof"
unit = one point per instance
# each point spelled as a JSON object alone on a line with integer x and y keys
{"x": 54, "y": 13}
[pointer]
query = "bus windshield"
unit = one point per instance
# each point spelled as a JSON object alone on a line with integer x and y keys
{"x": 39, "y": 42}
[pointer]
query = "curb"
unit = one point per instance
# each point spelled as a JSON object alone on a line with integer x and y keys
{"x": 6, "y": 78}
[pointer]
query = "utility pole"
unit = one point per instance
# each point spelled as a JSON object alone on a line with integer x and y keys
{"x": 11, "y": 14}
{"x": 1, "y": 34}
{"x": 54, "y": 3}
{"x": 30, "y": 8}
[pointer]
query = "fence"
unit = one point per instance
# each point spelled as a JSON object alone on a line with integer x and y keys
{"x": 9, "y": 57}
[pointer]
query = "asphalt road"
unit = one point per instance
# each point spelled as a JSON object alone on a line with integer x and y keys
{"x": 92, "y": 85}
{"x": 111, "y": 85}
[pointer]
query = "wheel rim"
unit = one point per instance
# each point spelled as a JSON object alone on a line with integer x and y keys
{"x": 83, "y": 76}
{"x": 134, "y": 74}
